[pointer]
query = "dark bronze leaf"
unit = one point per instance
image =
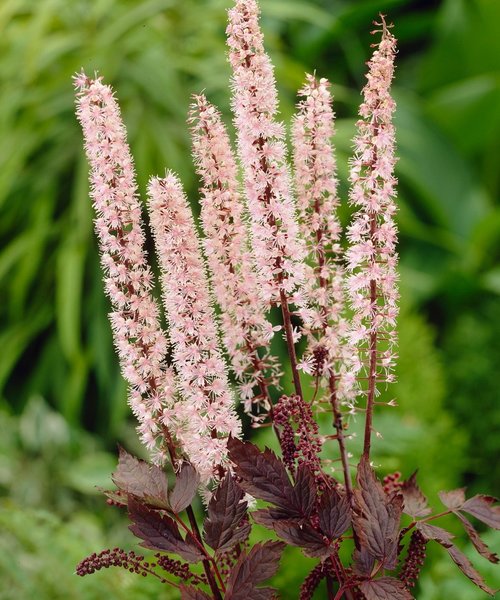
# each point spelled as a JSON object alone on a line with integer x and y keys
{"x": 295, "y": 532}
{"x": 145, "y": 481}
{"x": 189, "y": 592}
{"x": 376, "y": 517}
{"x": 484, "y": 508}
{"x": 443, "y": 537}
{"x": 454, "y": 499}
{"x": 226, "y": 509}
{"x": 467, "y": 569}
{"x": 160, "y": 532}
{"x": 477, "y": 542}
{"x": 186, "y": 484}
{"x": 253, "y": 568}
{"x": 116, "y": 496}
{"x": 385, "y": 588}
{"x": 305, "y": 489}
{"x": 363, "y": 562}
{"x": 415, "y": 503}
{"x": 438, "y": 534}
{"x": 334, "y": 514}
{"x": 263, "y": 475}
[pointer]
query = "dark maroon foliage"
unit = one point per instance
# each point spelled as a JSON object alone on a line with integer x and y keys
{"x": 186, "y": 485}
{"x": 415, "y": 503}
{"x": 142, "y": 480}
{"x": 376, "y": 517}
{"x": 188, "y": 592}
{"x": 226, "y": 525}
{"x": 385, "y": 588}
{"x": 443, "y": 537}
{"x": 310, "y": 512}
{"x": 160, "y": 532}
{"x": 312, "y": 581}
{"x": 253, "y": 568}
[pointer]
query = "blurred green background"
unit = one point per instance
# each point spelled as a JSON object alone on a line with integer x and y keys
{"x": 62, "y": 400}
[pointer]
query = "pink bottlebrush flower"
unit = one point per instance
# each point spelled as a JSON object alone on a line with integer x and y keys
{"x": 317, "y": 202}
{"x": 278, "y": 250}
{"x": 372, "y": 258}
{"x": 138, "y": 337}
{"x": 206, "y": 410}
{"x": 243, "y": 313}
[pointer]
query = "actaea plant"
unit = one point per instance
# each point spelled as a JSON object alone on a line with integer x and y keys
{"x": 273, "y": 241}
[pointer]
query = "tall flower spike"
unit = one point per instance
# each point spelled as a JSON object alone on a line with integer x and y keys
{"x": 278, "y": 250}
{"x": 317, "y": 202}
{"x": 372, "y": 258}
{"x": 205, "y": 416}
{"x": 138, "y": 337}
{"x": 243, "y": 320}
{"x": 316, "y": 184}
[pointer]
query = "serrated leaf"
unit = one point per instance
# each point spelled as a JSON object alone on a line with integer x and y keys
{"x": 263, "y": 475}
{"x": 385, "y": 588}
{"x": 186, "y": 483}
{"x": 376, "y": 517}
{"x": 305, "y": 489}
{"x": 415, "y": 503}
{"x": 453, "y": 499}
{"x": 485, "y": 509}
{"x": 438, "y": 534}
{"x": 477, "y": 542}
{"x": 160, "y": 532}
{"x": 295, "y": 532}
{"x": 467, "y": 569}
{"x": 226, "y": 510}
{"x": 117, "y": 496}
{"x": 189, "y": 592}
{"x": 253, "y": 568}
{"x": 443, "y": 537}
{"x": 145, "y": 481}
{"x": 363, "y": 562}
{"x": 334, "y": 514}
{"x": 267, "y": 516}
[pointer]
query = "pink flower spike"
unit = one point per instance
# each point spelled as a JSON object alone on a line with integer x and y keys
{"x": 317, "y": 201}
{"x": 205, "y": 416}
{"x": 243, "y": 312}
{"x": 278, "y": 250}
{"x": 372, "y": 259}
{"x": 140, "y": 342}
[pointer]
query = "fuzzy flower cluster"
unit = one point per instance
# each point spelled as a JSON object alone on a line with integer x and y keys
{"x": 138, "y": 337}
{"x": 263, "y": 248}
{"x": 278, "y": 249}
{"x": 246, "y": 330}
{"x": 317, "y": 202}
{"x": 371, "y": 256}
{"x": 204, "y": 416}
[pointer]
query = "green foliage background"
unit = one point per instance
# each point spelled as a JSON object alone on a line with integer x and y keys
{"x": 62, "y": 400}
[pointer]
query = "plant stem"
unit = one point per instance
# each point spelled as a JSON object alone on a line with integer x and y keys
{"x": 372, "y": 376}
{"x": 287, "y": 322}
{"x": 329, "y": 587}
{"x": 340, "y": 593}
{"x": 206, "y": 562}
{"x": 339, "y": 427}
